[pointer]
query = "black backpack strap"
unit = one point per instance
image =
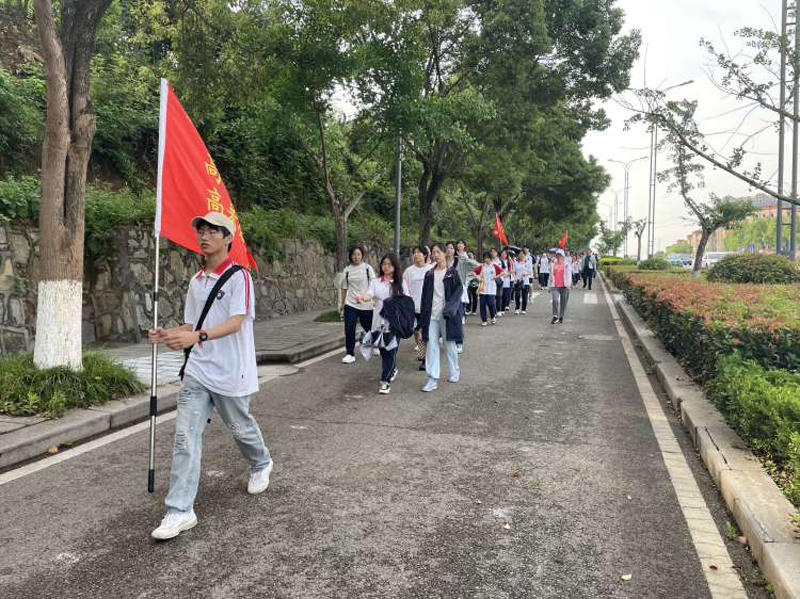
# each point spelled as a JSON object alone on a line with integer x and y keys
{"x": 211, "y": 297}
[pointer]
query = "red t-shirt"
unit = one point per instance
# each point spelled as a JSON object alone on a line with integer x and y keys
{"x": 558, "y": 275}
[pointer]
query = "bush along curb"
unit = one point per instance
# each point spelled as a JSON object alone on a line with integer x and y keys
{"x": 761, "y": 510}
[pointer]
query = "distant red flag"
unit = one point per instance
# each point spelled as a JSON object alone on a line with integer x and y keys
{"x": 562, "y": 243}
{"x": 499, "y": 231}
{"x": 189, "y": 183}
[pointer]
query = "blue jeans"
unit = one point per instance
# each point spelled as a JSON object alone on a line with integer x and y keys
{"x": 195, "y": 404}
{"x": 438, "y": 329}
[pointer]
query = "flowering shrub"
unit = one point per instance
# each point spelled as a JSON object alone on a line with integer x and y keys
{"x": 699, "y": 321}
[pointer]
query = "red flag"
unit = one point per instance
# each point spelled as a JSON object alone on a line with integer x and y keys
{"x": 189, "y": 183}
{"x": 499, "y": 231}
{"x": 562, "y": 243}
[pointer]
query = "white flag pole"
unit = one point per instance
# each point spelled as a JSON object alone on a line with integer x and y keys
{"x": 162, "y": 140}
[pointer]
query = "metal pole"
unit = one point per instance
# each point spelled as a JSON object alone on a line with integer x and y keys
{"x": 625, "y": 209}
{"x": 650, "y": 193}
{"x": 795, "y": 132}
{"x": 655, "y": 184}
{"x": 781, "y": 132}
{"x": 398, "y": 195}
{"x": 162, "y": 140}
{"x": 616, "y": 212}
{"x": 151, "y": 472}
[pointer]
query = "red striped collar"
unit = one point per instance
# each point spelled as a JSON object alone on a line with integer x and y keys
{"x": 219, "y": 270}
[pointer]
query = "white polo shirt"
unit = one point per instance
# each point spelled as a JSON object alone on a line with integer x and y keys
{"x": 227, "y": 365}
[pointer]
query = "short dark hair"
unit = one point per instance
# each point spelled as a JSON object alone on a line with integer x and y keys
{"x": 487, "y": 254}
{"x": 352, "y": 251}
{"x": 422, "y": 250}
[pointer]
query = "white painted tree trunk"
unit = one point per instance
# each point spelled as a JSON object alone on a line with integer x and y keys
{"x": 58, "y": 324}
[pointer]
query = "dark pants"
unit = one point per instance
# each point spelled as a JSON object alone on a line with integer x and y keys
{"x": 473, "y": 299}
{"x": 521, "y": 292}
{"x": 351, "y": 318}
{"x": 488, "y": 301}
{"x": 544, "y": 278}
{"x": 588, "y": 275}
{"x": 388, "y": 363}
{"x": 498, "y": 298}
{"x": 506, "y": 298}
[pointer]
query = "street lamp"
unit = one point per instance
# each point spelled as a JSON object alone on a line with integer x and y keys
{"x": 651, "y": 192}
{"x": 626, "y": 166}
{"x": 611, "y": 211}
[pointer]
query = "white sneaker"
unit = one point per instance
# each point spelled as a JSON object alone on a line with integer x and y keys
{"x": 483, "y": 324}
{"x": 459, "y": 348}
{"x": 376, "y": 352}
{"x": 173, "y": 524}
{"x": 494, "y": 321}
{"x": 385, "y": 389}
{"x": 259, "y": 481}
{"x": 516, "y": 311}
{"x": 524, "y": 312}
{"x": 348, "y": 359}
{"x": 463, "y": 320}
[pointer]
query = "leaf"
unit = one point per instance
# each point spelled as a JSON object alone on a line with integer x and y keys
{"x": 626, "y": 577}
{"x": 53, "y": 449}
{"x": 515, "y": 474}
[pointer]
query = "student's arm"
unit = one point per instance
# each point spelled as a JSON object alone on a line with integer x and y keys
{"x": 180, "y": 338}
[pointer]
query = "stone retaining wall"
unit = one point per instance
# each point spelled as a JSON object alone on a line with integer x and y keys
{"x": 117, "y": 301}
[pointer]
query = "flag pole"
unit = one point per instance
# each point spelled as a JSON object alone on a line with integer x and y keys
{"x": 162, "y": 130}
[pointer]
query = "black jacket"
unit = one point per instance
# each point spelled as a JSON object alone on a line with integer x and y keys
{"x": 399, "y": 311}
{"x": 453, "y": 290}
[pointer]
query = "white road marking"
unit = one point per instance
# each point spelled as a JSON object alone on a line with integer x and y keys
{"x": 723, "y": 580}
{"x": 39, "y": 465}
{"x": 589, "y": 298}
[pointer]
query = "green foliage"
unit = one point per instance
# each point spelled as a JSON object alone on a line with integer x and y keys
{"x": 755, "y": 268}
{"x": 26, "y": 391}
{"x": 329, "y": 316}
{"x": 19, "y": 198}
{"x": 653, "y": 264}
{"x": 21, "y": 119}
{"x": 680, "y": 247}
{"x": 613, "y": 261}
{"x": 763, "y": 406}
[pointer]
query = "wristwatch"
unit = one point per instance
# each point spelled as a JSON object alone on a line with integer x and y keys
{"x": 203, "y": 336}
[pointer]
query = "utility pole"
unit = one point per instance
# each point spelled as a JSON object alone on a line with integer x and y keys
{"x": 625, "y": 200}
{"x": 397, "y": 196}
{"x": 781, "y": 131}
{"x": 795, "y": 131}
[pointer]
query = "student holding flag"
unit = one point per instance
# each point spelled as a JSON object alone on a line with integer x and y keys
{"x": 220, "y": 372}
{"x": 217, "y": 335}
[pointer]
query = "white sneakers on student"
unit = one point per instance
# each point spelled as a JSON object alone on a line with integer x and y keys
{"x": 459, "y": 348}
{"x": 384, "y": 389}
{"x": 483, "y": 324}
{"x": 259, "y": 481}
{"x": 431, "y": 385}
{"x": 516, "y": 311}
{"x": 173, "y": 524}
{"x": 348, "y": 359}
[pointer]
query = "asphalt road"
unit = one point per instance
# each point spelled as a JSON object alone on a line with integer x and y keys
{"x": 537, "y": 475}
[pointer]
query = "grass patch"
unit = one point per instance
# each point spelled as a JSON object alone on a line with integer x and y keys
{"x": 329, "y": 316}
{"x": 27, "y": 391}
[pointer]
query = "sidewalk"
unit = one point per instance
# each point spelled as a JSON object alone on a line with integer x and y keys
{"x": 287, "y": 339}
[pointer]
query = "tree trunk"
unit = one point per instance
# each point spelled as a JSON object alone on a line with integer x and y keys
{"x": 340, "y": 221}
{"x": 69, "y": 130}
{"x": 701, "y": 250}
{"x": 638, "y": 248}
{"x": 430, "y": 183}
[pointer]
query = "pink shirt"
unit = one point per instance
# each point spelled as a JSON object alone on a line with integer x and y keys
{"x": 558, "y": 275}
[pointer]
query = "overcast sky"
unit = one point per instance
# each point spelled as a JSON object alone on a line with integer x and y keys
{"x": 671, "y": 32}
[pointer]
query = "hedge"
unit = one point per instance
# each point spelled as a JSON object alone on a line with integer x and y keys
{"x": 699, "y": 321}
{"x": 755, "y": 268}
{"x": 763, "y": 406}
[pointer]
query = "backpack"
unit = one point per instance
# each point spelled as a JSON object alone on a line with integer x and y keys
{"x": 347, "y": 277}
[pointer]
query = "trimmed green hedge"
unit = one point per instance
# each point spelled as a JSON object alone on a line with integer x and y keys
{"x": 763, "y": 406}
{"x": 755, "y": 268}
{"x": 612, "y": 261}
{"x": 654, "y": 264}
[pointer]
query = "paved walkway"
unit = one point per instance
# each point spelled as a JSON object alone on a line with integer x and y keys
{"x": 541, "y": 474}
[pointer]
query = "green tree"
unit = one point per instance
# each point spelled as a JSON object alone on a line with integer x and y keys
{"x": 679, "y": 247}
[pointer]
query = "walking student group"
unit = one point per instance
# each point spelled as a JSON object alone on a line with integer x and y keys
{"x": 429, "y": 300}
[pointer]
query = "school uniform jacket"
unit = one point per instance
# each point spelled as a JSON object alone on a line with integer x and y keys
{"x": 452, "y": 305}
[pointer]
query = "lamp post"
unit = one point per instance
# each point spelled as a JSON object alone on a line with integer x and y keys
{"x": 398, "y": 196}
{"x": 651, "y": 192}
{"x": 626, "y": 195}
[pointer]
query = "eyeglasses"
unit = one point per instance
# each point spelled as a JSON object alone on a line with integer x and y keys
{"x": 203, "y": 231}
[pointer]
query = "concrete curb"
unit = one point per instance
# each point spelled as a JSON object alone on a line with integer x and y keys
{"x": 761, "y": 510}
{"x": 79, "y": 424}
